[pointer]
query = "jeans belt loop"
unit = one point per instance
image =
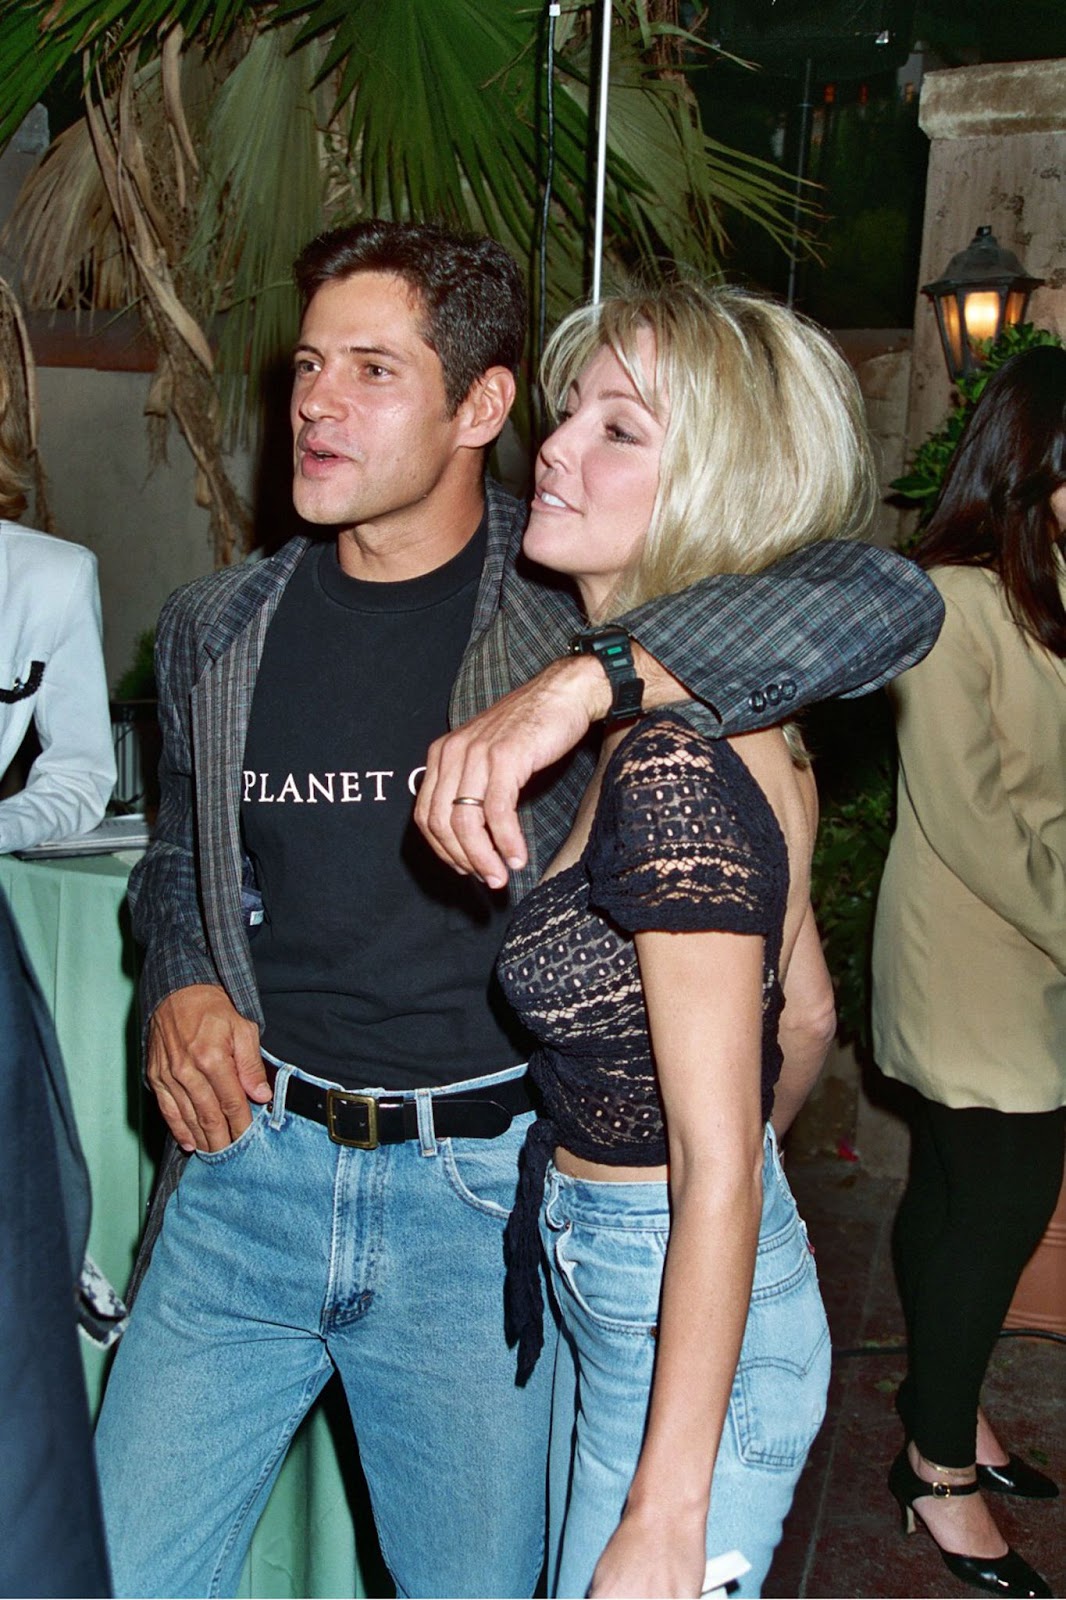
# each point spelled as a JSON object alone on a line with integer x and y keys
{"x": 427, "y": 1133}
{"x": 277, "y": 1104}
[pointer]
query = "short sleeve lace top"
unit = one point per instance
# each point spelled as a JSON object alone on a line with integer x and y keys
{"x": 683, "y": 840}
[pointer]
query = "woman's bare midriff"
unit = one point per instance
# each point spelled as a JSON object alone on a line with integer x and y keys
{"x": 597, "y": 1172}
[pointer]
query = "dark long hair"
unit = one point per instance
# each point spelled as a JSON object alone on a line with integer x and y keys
{"x": 993, "y": 510}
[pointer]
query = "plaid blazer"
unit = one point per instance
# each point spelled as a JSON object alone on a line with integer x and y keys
{"x": 834, "y": 619}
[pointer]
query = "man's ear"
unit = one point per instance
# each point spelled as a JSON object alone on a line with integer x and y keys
{"x": 487, "y": 407}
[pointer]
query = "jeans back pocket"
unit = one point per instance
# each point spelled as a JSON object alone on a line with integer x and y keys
{"x": 779, "y": 1392}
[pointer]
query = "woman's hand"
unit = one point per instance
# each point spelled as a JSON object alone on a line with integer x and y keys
{"x": 807, "y": 1026}
{"x": 652, "y": 1557}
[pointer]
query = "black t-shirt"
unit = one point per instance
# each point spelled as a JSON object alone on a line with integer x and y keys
{"x": 374, "y": 961}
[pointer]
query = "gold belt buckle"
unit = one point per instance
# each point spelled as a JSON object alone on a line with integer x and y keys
{"x": 368, "y": 1100}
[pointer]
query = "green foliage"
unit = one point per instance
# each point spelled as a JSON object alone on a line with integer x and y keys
{"x": 855, "y": 747}
{"x": 962, "y": 31}
{"x": 871, "y": 161}
{"x": 138, "y": 680}
{"x": 38, "y": 41}
{"x": 861, "y": 282}
{"x": 248, "y": 228}
{"x": 853, "y": 839}
{"x": 316, "y": 112}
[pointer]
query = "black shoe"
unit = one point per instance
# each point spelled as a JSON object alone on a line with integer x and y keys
{"x": 1017, "y": 1477}
{"x": 1008, "y": 1575}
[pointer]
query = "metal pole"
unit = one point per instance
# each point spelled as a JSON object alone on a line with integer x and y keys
{"x": 801, "y": 173}
{"x": 601, "y": 154}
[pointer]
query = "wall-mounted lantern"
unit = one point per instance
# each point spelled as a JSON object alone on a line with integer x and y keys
{"x": 984, "y": 290}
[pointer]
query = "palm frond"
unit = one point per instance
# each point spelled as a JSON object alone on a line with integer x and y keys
{"x": 30, "y": 60}
{"x": 228, "y": 132}
{"x": 40, "y": 38}
{"x": 72, "y": 251}
{"x": 757, "y": 190}
{"x": 428, "y": 105}
{"x": 261, "y": 198}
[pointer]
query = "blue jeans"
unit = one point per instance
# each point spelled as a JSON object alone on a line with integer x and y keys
{"x": 606, "y": 1244}
{"x": 287, "y": 1256}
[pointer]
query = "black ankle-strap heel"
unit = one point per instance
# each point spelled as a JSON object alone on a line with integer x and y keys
{"x": 1017, "y": 1477}
{"x": 1009, "y": 1575}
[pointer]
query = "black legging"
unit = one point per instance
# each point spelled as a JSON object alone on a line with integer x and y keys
{"x": 982, "y": 1187}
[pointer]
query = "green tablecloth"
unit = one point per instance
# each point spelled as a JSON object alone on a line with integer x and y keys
{"x": 73, "y": 918}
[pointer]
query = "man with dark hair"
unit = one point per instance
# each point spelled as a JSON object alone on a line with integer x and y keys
{"x": 470, "y": 291}
{"x": 324, "y": 1033}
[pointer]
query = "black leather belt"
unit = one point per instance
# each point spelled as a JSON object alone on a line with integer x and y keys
{"x": 364, "y": 1120}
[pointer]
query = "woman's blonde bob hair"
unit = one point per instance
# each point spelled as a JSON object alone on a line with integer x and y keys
{"x": 765, "y": 448}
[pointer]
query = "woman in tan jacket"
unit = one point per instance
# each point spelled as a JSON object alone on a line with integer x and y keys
{"x": 970, "y": 951}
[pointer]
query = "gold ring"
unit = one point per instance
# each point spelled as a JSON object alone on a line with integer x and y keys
{"x": 467, "y": 800}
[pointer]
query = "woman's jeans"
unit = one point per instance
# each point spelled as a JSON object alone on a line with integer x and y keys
{"x": 287, "y": 1256}
{"x": 606, "y": 1244}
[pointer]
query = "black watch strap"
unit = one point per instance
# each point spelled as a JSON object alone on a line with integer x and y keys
{"x": 612, "y": 648}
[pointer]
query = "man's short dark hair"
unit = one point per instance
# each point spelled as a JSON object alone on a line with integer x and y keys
{"x": 470, "y": 287}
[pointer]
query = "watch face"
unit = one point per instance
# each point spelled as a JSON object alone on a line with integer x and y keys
{"x": 590, "y": 641}
{"x": 612, "y": 647}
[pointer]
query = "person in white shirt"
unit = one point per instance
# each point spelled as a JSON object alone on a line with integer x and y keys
{"x": 51, "y": 668}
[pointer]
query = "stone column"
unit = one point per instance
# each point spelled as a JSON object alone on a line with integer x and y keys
{"x": 998, "y": 156}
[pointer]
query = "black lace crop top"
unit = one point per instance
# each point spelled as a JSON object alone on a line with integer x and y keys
{"x": 683, "y": 840}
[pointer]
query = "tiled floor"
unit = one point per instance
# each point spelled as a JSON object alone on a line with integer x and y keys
{"x": 843, "y": 1537}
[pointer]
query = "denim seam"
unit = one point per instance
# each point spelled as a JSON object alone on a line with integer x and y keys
{"x": 563, "y": 1270}
{"x": 370, "y": 1166}
{"x": 654, "y": 1225}
{"x": 798, "y": 1369}
{"x": 781, "y": 1286}
{"x": 243, "y": 1142}
{"x": 741, "y": 1419}
{"x": 488, "y": 1208}
{"x": 310, "y": 1390}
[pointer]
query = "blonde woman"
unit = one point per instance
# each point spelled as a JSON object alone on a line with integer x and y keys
{"x": 701, "y": 431}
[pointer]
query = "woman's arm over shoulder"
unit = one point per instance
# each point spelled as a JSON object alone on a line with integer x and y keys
{"x": 836, "y": 618}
